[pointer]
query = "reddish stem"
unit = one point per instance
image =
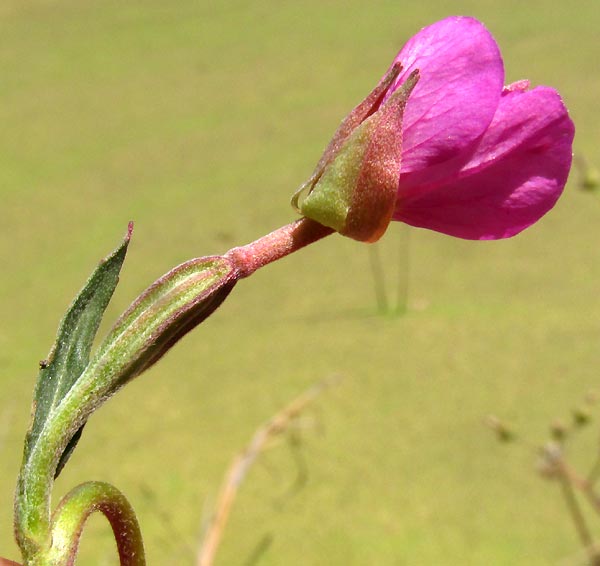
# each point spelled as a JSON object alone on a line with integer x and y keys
{"x": 73, "y": 512}
{"x": 279, "y": 243}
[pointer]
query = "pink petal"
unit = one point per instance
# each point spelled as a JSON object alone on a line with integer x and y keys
{"x": 514, "y": 177}
{"x": 455, "y": 100}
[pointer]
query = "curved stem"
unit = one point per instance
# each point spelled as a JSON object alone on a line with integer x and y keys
{"x": 72, "y": 513}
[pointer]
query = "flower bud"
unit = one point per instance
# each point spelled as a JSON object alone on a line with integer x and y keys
{"x": 354, "y": 187}
{"x": 166, "y": 311}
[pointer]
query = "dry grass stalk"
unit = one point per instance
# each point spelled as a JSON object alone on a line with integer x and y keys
{"x": 238, "y": 470}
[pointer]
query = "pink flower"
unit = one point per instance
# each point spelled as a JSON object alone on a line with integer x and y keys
{"x": 452, "y": 150}
{"x": 479, "y": 161}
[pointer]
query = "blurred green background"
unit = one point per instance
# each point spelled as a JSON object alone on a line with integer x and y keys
{"x": 198, "y": 119}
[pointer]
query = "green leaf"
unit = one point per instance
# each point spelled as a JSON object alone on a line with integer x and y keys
{"x": 71, "y": 352}
{"x": 71, "y": 388}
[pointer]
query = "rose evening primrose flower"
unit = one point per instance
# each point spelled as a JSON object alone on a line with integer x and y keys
{"x": 442, "y": 144}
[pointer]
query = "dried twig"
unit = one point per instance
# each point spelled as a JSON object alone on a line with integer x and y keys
{"x": 578, "y": 519}
{"x": 238, "y": 470}
{"x": 582, "y": 484}
{"x": 556, "y": 466}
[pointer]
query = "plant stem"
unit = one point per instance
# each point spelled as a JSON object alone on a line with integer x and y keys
{"x": 72, "y": 513}
{"x": 578, "y": 518}
{"x": 378, "y": 279}
{"x": 279, "y": 243}
{"x": 243, "y": 462}
{"x": 580, "y": 483}
{"x": 157, "y": 319}
{"x": 594, "y": 472}
{"x": 404, "y": 270}
{"x": 569, "y": 480}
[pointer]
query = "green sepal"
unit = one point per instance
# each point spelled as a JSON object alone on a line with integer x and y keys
{"x": 355, "y": 192}
{"x": 329, "y": 201}
{"x": 349, "y": 124}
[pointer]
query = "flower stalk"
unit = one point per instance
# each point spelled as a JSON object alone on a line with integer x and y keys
{"x": 276, "y": 245}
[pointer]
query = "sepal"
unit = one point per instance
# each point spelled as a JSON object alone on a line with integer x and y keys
{"x": 354, "y": 187}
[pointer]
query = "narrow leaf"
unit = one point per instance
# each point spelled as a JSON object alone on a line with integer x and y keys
{"x": 71, "y": 352}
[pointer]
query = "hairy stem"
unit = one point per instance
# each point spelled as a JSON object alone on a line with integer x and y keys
{"x": 279, "y": 243}
{"x": 72, "y": 513}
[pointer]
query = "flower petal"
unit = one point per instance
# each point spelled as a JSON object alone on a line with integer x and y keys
{"x": 513, "y": 178}
{"x": 461, "y": 80}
